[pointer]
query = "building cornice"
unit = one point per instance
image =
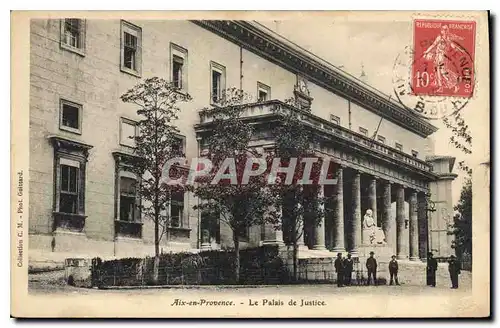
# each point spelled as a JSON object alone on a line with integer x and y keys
{"x": 124, "y": 157}
{"x": 64, "y": 143}
{"x": 275, "y": 49}
{"x": 447, "y": 176}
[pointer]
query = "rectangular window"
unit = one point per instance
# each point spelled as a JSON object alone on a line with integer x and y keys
{"x": 335, "y": 119}
{"x": 263, "y": 92}
{"x": 399, "y": 146}
{"x": 70, "y": 116}
{"x": 178, "y": 66}
{"x": 70, "y": 158}
{"x": 179, "y": 146}
{"x": 130, "y": 51}
{"x": 177, "y": 63}
{"x": 73, "y": 35}
{"x": 128, "y": 194}
{"x": 68, "y": 198}
{"x": 381, "y": 139}
{"x": 131, "y": 40}
{"x": 218, "y": 82}
{"x": 128, "y": 130}
{"x": 210, "y": 228}
{"x": 363, "y": 131}
{"x": 176, "y": 209}
{"x": 414, "y": 153}
{"x": 128, "y": 222}
{"x": 216, "y": 86}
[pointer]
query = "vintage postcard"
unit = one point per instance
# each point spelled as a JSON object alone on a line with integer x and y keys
{"x": 250, "y": 164}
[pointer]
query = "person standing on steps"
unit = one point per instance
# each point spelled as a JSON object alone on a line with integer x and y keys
{"x": 371, "y": 267}
{"x": 432, "y": 266}
{"x": 454, "y": 269}
{"x": 348, "y": 268}
{"x": 339, "y": 268}
{"x": 393, "y": 270}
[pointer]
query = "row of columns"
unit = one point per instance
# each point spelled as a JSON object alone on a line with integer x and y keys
{"x": 393, "y": 227}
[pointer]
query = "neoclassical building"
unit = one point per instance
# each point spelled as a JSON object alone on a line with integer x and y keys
{"x": 82, "y": 191}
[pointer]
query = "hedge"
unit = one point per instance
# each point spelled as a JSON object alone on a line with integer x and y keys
{"x": 257, "y": 266}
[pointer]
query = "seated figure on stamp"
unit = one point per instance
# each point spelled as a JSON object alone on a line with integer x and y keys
{"x": 371, "y": 233}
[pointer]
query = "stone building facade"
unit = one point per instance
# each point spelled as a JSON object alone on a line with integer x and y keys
{"x": 81, "y": 189}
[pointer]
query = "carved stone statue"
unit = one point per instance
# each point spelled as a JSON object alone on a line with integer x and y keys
{"x": 371, "y": 233}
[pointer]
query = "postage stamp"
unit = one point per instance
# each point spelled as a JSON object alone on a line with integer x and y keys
{"x": 434, "y": 77}
{"x": 443, "y": 58}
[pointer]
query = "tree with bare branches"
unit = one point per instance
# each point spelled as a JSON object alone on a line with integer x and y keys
{"x": 155, "y": 143}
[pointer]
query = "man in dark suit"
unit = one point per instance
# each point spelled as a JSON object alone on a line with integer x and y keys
{"x": 454, "y": 269}
{"x": 371, "y": 267}
{"x": 393, "y": 270}
{"x": 432, "y": 266}
{"x": 348, "y": 268}
{"x": 339, "y": 268}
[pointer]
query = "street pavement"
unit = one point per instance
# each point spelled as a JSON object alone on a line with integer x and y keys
{"x": 52, "y": 283}
{"x": 55, "y": 298}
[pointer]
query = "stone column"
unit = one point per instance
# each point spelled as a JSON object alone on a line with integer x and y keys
{"x": 413, "y": 226}
{"x": 389, "y": 220}
{"x": 338, "y": 214}
{"x": 271, "y": 235}
{"x": 356, "y": 213}
{"x": 400, "y": 223}
{"x": 319, "y": 228}
{"x": 372, "y": 197}
{"x": 423, "y": 231}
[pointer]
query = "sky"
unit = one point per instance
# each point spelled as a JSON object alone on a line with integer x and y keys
{"x": 372, "y": 47}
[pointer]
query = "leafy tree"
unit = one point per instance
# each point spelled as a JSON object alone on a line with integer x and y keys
{"x": 461, "y": 138}
{"x": 239, "y": 205}
{"x": 156, "y": 143}
{"x": 300, "y": 203}
{"x": 462, "y": 226}
{"x": 462, "y": 222}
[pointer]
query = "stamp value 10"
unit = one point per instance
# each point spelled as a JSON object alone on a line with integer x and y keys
{"x": 443, "y": 58}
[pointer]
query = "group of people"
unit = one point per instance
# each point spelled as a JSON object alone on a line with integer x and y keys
{"x": 453, "y": 269}
{"x": 344, "y": 268}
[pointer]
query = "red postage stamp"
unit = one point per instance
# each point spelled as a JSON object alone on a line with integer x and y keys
{"x": 443, "y": 62}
